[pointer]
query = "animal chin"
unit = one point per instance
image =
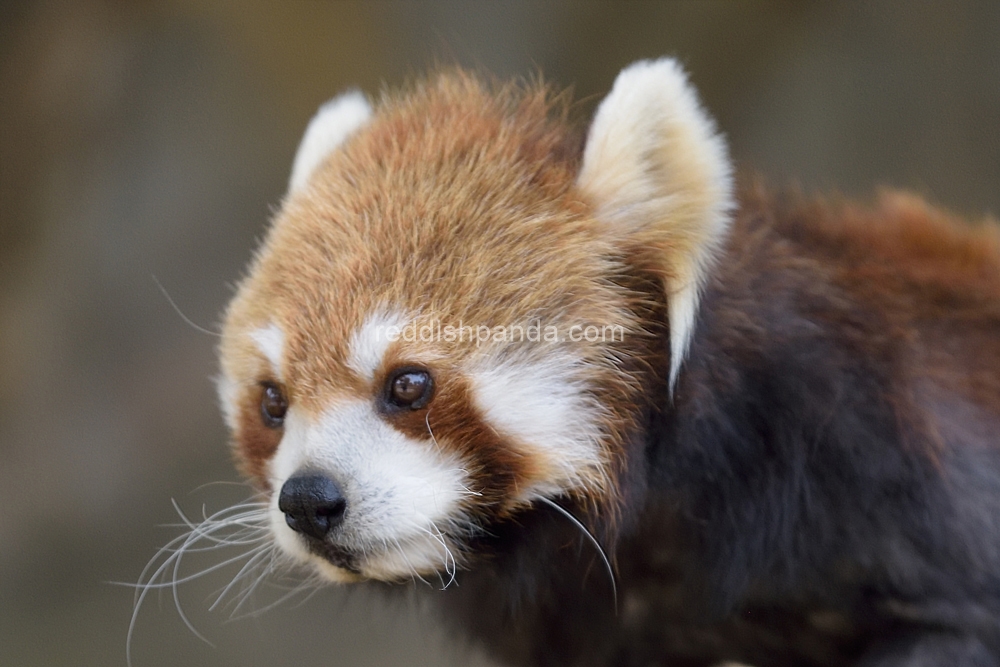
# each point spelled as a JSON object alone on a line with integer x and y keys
{"x": 389, "y": 559}
{"x": 336, "y": 556}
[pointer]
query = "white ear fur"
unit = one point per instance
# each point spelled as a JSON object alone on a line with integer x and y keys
{"x": 659, "y": 175}
{"x": 333, "y": 123}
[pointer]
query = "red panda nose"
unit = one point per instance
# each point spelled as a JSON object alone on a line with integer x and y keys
{"x": 313, "y": 504}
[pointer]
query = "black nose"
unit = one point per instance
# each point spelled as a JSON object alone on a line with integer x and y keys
{"x": 312, "y": 503}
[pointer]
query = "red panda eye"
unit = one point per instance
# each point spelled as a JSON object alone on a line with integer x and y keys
{"x": 273, "y": 406}
{"x": 410, "y": 388}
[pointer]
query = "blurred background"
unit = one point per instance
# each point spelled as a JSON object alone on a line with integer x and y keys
{"x": 147, "y": 141}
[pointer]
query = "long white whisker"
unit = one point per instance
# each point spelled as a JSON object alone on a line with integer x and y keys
{"x": 241, "y": 525}
{"x": 593, "y": 540}
{"x": 427, "y": 422}
{"x": 311, "y": 582}
{"x": 224, "y": 517}
{"x": 221, "y": 483}
{"x": 249, "y": 566}
{"x": 197, "y": 575}
{"x": 177, "y": 602}
{"x": 450, "y": 564}
{"x": 265, "y": 570}
{"x": 140, "y": 586}
{"x": 182, "y": 315}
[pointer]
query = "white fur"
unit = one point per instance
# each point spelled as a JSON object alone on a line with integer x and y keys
{"x": 654, "y": 163}
{"x": 270, "y": 340}
{"x": 228, "y": 391}
{"x": 333, "y": 123}
{"x": 400, "y": 492}
{"x": 542, "y": 406}
{"x": 370, "y": 342}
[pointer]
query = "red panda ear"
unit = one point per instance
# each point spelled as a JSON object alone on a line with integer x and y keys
{"x": 659, "y": 176}
{"x": 333, "y": 123}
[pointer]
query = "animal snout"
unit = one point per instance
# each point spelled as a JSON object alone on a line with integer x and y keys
{"x": 312, "y": 503}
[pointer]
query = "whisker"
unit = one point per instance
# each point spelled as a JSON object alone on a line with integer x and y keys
{"x": 245, "y": 597}
{"x": 177, "y": 601}
{"x": 593, "y": 540}
{"x": 252, "y": 564}
{"x": 427, "y": 421}
{"x": 243, "y": 525}
{"x": 182, "y": 315}
{"x": 311, "y": 583}
{"x": 220, "y": 483}
{"x": 197, "y": 575}
{"x": 450, "y": 564}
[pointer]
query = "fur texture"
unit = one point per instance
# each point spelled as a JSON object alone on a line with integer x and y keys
{"x": 790, "y": 452}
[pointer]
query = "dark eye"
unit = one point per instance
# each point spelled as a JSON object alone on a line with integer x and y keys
{"x": 273, "y": 405}
{"x": 410, "y": 388}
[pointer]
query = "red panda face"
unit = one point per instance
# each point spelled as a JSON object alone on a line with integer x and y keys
{"x": 438, "y": 331}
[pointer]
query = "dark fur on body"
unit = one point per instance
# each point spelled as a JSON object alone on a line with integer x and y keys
{"x": 823, "y": 488}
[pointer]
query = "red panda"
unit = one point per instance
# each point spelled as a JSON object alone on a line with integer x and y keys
{"x": 473, "y": 330}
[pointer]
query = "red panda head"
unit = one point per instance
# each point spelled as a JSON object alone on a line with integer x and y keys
{"x": 450, "y": 315}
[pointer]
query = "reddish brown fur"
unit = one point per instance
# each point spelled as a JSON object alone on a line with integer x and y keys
{"x": 932, "y": 278}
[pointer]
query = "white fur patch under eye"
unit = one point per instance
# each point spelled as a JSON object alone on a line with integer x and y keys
{"x": 333, "y": 123}
{"x": 270, "y": 341}
{"x": 370, "y": 342}
{"x": 545, "y": 408}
